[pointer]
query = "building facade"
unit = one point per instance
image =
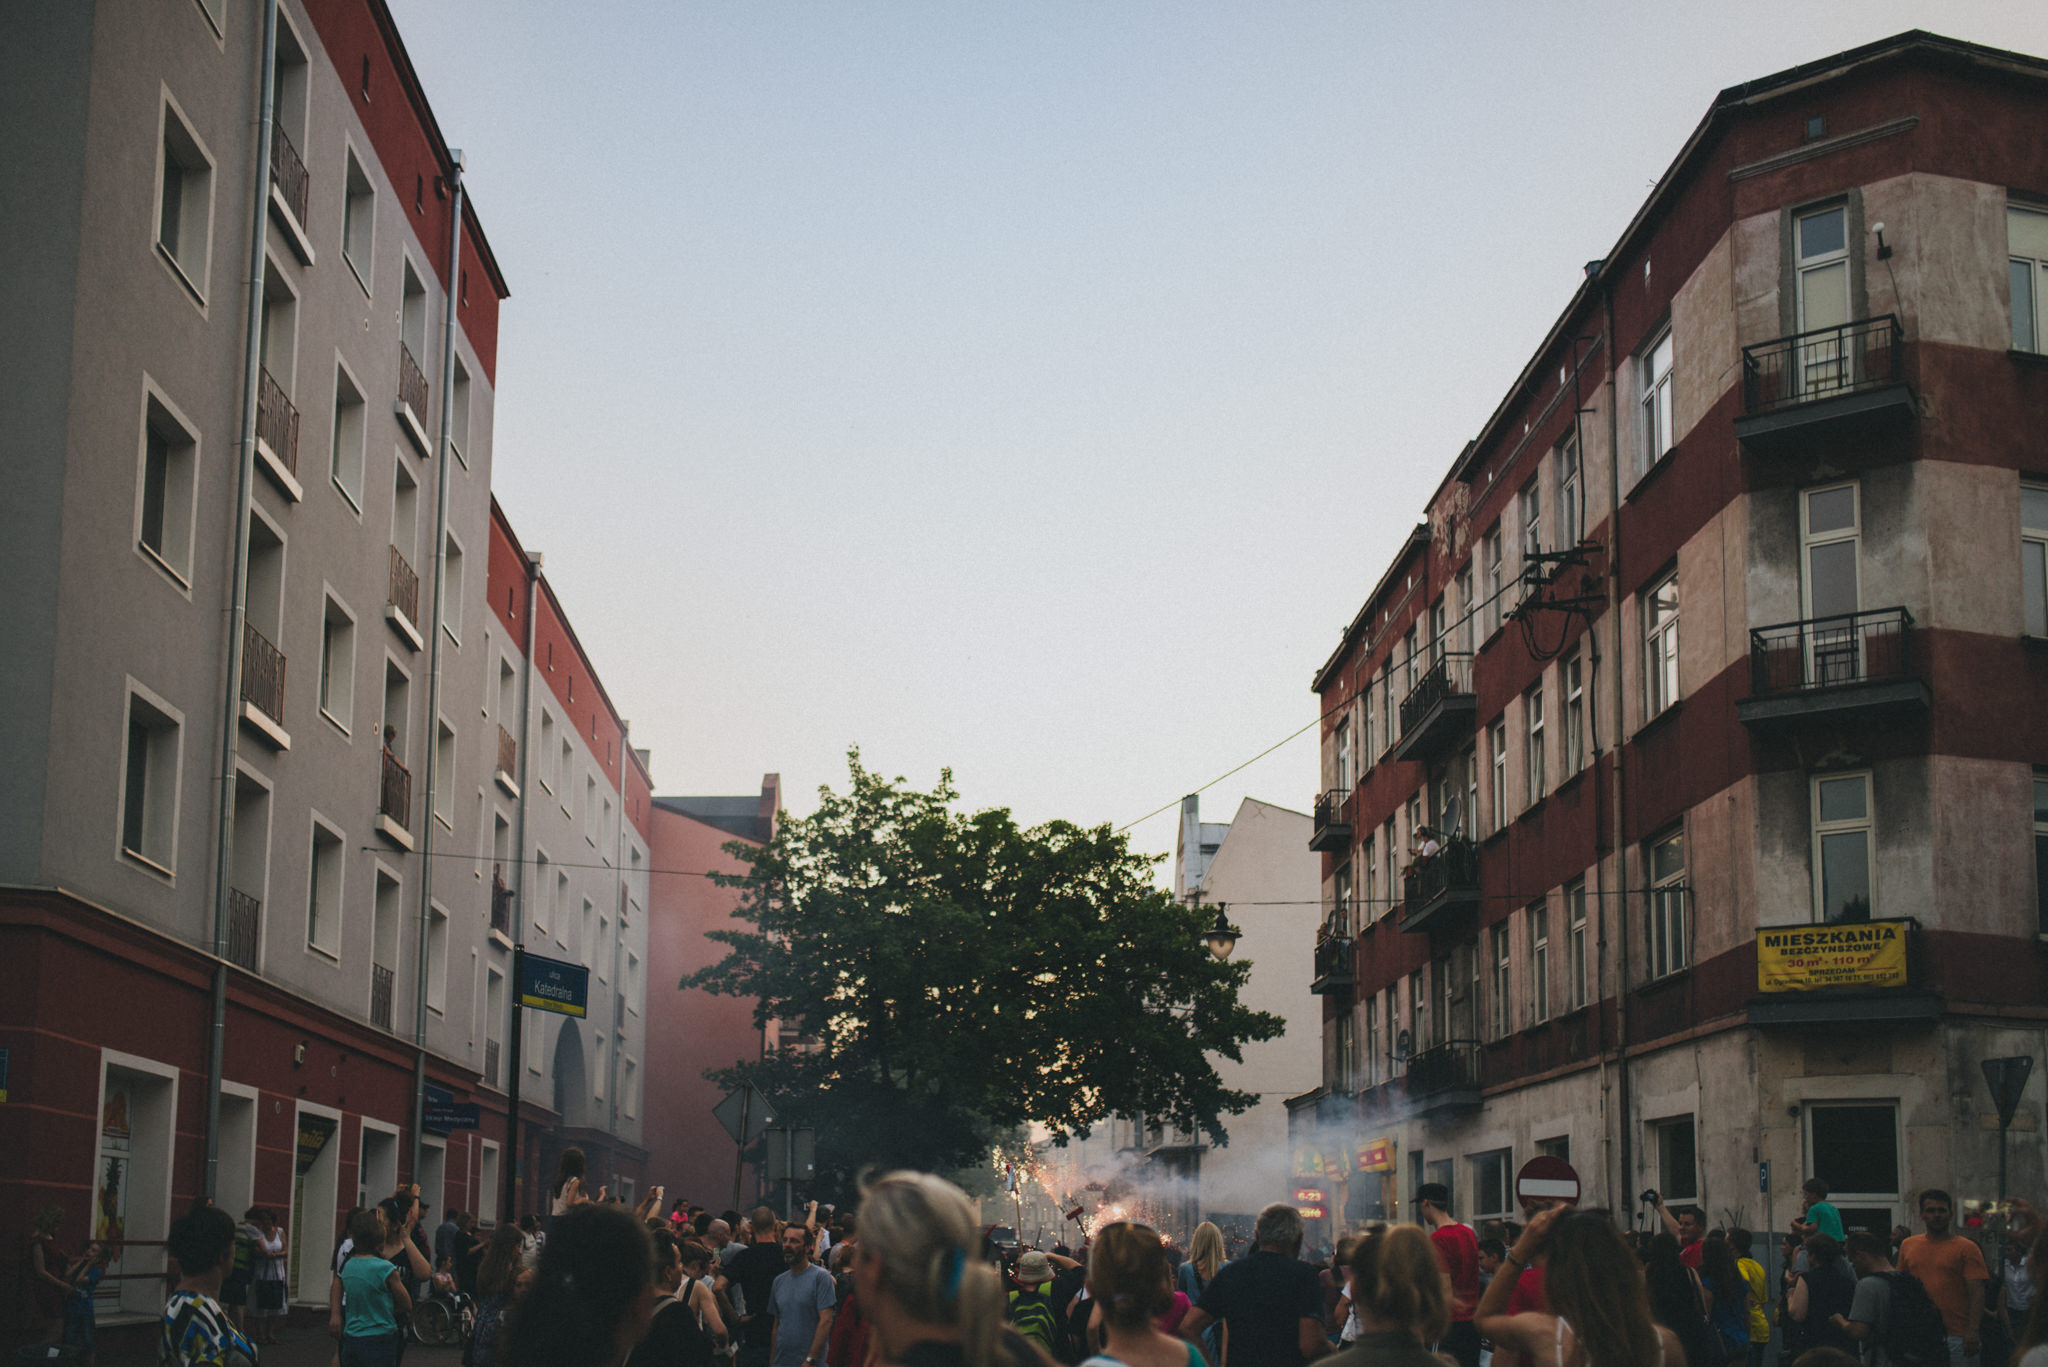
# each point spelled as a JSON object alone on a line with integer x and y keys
{"x": 272, "y": 654}
{"x": 1684, "y": 793}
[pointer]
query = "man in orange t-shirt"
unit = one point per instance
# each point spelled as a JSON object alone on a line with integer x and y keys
{"x": 1952, "y": 1269}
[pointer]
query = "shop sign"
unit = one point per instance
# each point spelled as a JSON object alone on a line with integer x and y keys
{"x": 1805, "y": 958}
{"x": 314, "y": 1132}
{"x": 1312, "y": 1202}
{"x": 1376, "y": 1155}
{"x": 1310, "y": 1162}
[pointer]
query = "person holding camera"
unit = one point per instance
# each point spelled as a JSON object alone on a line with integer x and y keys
{"x": 1687, "y": 1224}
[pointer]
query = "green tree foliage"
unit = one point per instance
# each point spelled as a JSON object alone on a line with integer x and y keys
{"x": 953, "y": 976}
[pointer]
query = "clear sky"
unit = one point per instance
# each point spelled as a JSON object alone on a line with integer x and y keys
{"x": 1034, "y": 388}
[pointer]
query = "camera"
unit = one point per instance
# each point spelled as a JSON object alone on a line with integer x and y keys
{"x": 1650, "y": 1197}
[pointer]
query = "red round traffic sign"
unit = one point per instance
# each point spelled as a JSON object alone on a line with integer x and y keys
{"x": 1547, "y": 1178}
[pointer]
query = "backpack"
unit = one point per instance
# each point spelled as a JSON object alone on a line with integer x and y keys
{"x": 1031, "y": 1315}
{"x": 1914, "y": 1335}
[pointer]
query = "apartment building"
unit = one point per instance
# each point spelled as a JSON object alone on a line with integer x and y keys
{"x": 256, "y": 718}
{"x": 1685, "y": 790}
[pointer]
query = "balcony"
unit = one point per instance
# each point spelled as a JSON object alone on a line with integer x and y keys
{"x": 291, "y": 193}
{"x": 501, "y": 904}
{"x": 1435, "y": 890}
{"x": 1846, "y": 381}
{"x": 1439, "y": 711}
{"x": 1835, "y": 669}
{"x": 1332, "y": 830}
{"x": 412, "y": 400}
{"x": 380, "y": 996}
{"x": 263, "y": 688}
{"x": 1850, "y": 974}
{"x": 508, "y": 763}
{"x": 402, "y": 608}
{"x": 490, "y": 1063}
{"x": 1444, "y": 1081}
{"x": 394, "y": 802}
{"x": 277, "y": 435}
{"x": 244, "y": 915}
{"x": 1334, "y": 976}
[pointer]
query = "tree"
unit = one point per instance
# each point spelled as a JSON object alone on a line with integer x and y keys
{"x": 952, "y": 975}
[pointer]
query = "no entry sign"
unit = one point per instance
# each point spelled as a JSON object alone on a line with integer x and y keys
{"x": 1546, "y": 1178}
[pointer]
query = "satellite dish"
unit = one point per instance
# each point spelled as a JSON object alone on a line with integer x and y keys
{"x": 1454, "y": 814}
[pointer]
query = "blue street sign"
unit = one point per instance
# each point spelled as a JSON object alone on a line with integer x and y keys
{"x": 1763, "y": 1178}
{"x": 443, "y": 1113}
{"x": 551, "y": 985}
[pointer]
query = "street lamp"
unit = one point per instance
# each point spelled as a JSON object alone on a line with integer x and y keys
{"x": 1221, "y": 937}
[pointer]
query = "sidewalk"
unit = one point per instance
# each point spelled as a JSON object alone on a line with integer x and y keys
{"x": 135, "y": 1346}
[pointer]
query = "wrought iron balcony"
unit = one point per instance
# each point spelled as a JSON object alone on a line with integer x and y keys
{"x": 1333, "y": 966}
{"x": 1445, "y": 1080}
{"x": 508, "y": 753}
{"x": 244, "y": 916}
{"x": 412, "y": 385}
{"x": 277, "y": 422}
{"x": 491, "y": 1062}
{"x": 1436, "y": 888}
{"x": 405, "y": 587}
{"x": 380, "y": 996}
{"x": 262, "y": 673}
{"x": 1833, "y": 669}
{"x": 1848, "y": 378}
{"x": 1439, "y": 711}
{"x": 394, "y": 793}
{"x": 1332, "y": 827}
{"x": 501, "y": 904}
{"x": 290, "y": 175}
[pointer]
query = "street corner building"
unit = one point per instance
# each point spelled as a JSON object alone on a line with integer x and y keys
{"x": 302, "y": 755}
{"x": 1685, "y": 807}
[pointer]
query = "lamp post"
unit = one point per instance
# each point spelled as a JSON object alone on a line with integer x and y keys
{"x": 1222, "y": 936}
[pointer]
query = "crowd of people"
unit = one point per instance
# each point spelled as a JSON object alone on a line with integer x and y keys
{"x": 911, "y": 1279}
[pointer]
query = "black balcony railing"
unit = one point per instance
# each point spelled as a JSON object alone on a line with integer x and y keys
{"x": 262, "y": 673}
{"x": 1825, "y": 363}
{"x": 394, "y": 793}
{"x": 1333, "y": 964}
{"x": 412, "y": 383}
{"x": 491, "y": 1062}
{"x": 508, "y": 753}
{"x": 1452, "y": 869}
{"x": 277, "y": 421}
{"x": 244, "y": 915}
{"x": 1331, "y": 828}
{"x": 1829, "y": 652}
{"x": 380, "y": 996}
{"x": 405, "y": 587}
{"x": 289, "y": 172}
{"x": 1450, "y": 676}
{"x": 1445, "y": 1069}
{"x": 501, "y": 904}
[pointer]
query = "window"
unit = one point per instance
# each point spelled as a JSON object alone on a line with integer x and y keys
{"x": 149, "y": 789}
{"x": 1492, "y": 1184}
{"x": 1413, "y": 671}
{"x": 1371, "y": 727}
{"x": 1842, "y": 884}
{"x": 1437, "y": 643}
{"x": 1573, "y": 757}
{"x": 1418, "y": 1013}
{"x": 1570, "y": 517}
{"x": 1391, "y": 851}
{"x": 1490, "y": 584}
{"x": 1677, "y": 1159}
{"x": 164, "y": 501}
{"x": 458, "y": 413}
{"x": 588, "y": 926}
{"x": 1468, "y": 819}
{"x": 184, "y": 219}
{"x": 2041, "y": 851}
{"x": 597, "y": 1072}
{"x": 1539, "y": 963}
{"x": 1657, "y": 430}
{"x": 412, "y": 318}
{"x": 337, "y": 664}
{"x": 1340, "y": 903}
{"x": 323, "y": 895}
{"x": 1532, "y": 712}
{"x": 1442, "y": 1171}
{"x": 1368, "y": 859}
{"x": 358, "y": 221}
{"x": 444, "y": 775}
{"x": 2034, "y": 557}
{"x": 1668, "y": 940}
{"x": 437, "y": 960}
{"x": 490, "y": 1181}
{"x": 632, "y": 982}
{"x": 345, "y": 461}
{"x": 1822, "y": 299}
{"x": 1575, "y": 946}
{"x": 1853, "y": 1146}
{"x": 1341, "y": 752}
{"x": 1501, "y": 1018}
{"x": 1828, "y": 528}
{"x": 567, "y": 761}
{"x": 629, "y": 1087}
{"x": 1558, "y": 1147}
{"x": 547, "y": 750}
{"x": 1390, "y": 707}
{"x": 2026, "y": 235}
{"x": 1660, "y": 645}
{"x": 1369, "y": 1061}
{"x": 541, "y": 886}
{"x": 1530, "y": 504}
{"x": 559, "y": 912}
{"x": 1497, "y": 790}
{"x": 1465, "y": 610}
{"x": 1344, "y": 1061}
{"x": 277, "y": 339}
{"x": 451, "y": 600}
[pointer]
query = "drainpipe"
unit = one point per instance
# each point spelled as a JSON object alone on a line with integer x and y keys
{"x": 1619, "y": 825}
{"x": 436, "y": 655}
{"x": 611, "y": 1082}
{"x": 238, "y": 603}
{"x": 516, "y": 1034}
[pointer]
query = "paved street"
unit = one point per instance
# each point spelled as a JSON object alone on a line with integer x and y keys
{"x": 307, "y": 1347}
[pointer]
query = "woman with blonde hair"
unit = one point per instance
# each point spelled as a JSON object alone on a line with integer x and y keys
{"x": 1402, "y": 1300}
{"x": 929, "y": 1300}
{"x": 1599, "y": 1307}
{"x": 1205, "y": 1255}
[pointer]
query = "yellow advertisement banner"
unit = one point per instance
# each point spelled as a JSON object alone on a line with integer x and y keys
{"x": 1803, "y": 958}
{"x": 1376, "y": 1155}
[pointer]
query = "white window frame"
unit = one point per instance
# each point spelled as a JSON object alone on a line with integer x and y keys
{"x": 1502, "y": 1162}
{"x": 1465, "y": 610}
{"x": 2034, "y": 562}
{"x": 1667, "y": 943}
{"x": 1368, "y": 1063}
{"x": 1661, "y": 682}
{"x": 1501, "y": 975}
{"x": 2026, "y": 237}
{"x": 159, "y": 855}
{"x": 1340, "y": 904}
{"x": 1866, "y": 825}
{"x": 1655, "y": 363}
{"x": 1529, "y": 509}
{"x": 1369, "y": 860}
{"x": 190, "y": 261}
{"x": 1894, "y": 1199}
{"x": 331, "y": 605}
{"x": 1491, "y": 582}
{"x": 1340, "y": 749}
{"x": 179, "y": 527}
{"x": 348, "y": 440}
{"x": 544, "y": 892}
{"x": 1497, "y": 788}
{"x": 437, "y": 958}
{"x": 547, "y": 750}
{"x": 329, "y": 946}
{"x": 1534, "y": 771}
{"x": 1469, "y": 827}
{"x": 358, "y": 209}
{"x": 453, "y": 565}
{"x": 1367, "y": 754}
{"x": 1570, "y": 519}
{"x": 1538, "y": 917}
{"x": 447, "y": 747}
{"x": 1572, "y": 676}
{"x": 1578, "y": 973}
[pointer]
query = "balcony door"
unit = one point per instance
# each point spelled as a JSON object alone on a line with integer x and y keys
{"x": 1830, "y": 533}
{"x": 1822, "y": 241}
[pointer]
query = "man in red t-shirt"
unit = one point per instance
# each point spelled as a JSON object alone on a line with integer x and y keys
{"x": 1457, "y": 1248}
{"x": 1689, "y": 1225}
